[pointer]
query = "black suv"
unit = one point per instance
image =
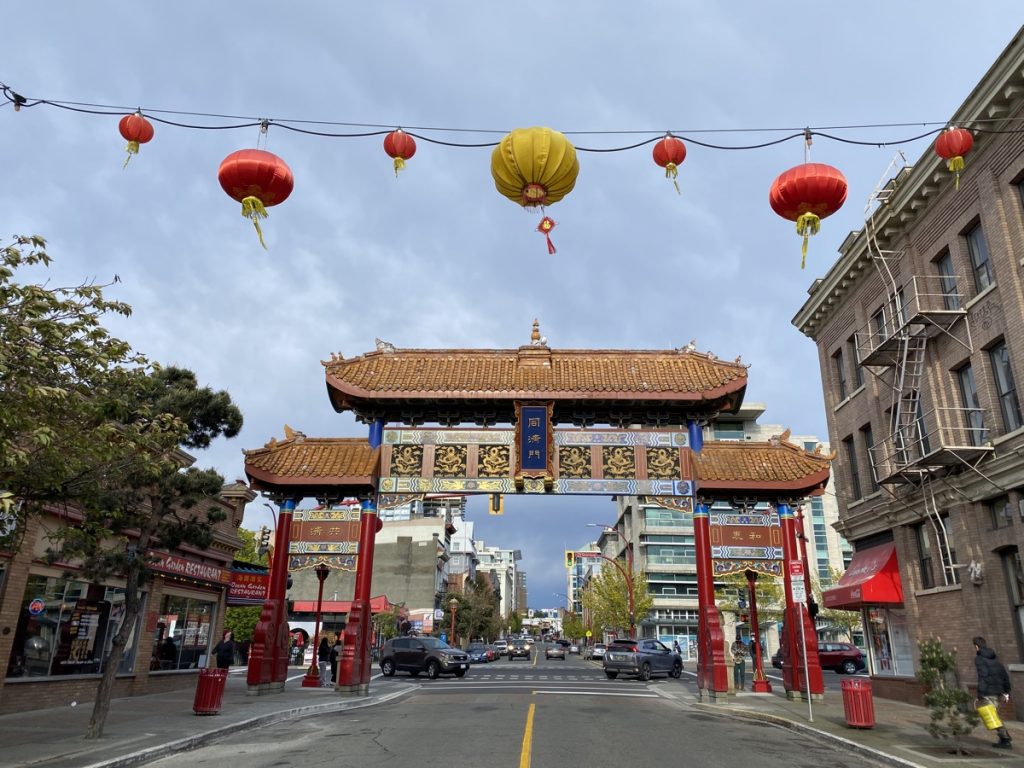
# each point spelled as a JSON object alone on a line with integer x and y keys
{"x": 422, "y": 654}
{"x": 518, "y": 647}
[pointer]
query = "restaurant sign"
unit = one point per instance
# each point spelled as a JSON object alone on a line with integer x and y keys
{"x": 248, "y": 588}
{"x": 179, "y": 566}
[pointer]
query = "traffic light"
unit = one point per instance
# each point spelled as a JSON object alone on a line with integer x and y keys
{"x": 263, "y": 544}
{"x": 497, "y": 505}
{"x": 570, "y": 559}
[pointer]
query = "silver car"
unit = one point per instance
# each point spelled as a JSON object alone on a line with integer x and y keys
{"x": 641, "y": 657}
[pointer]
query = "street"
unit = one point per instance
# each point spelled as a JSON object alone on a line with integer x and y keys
{"x": 541, "y": 714}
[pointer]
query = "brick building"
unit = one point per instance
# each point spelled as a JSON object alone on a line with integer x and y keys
{"x": 55, "y": 629}
{"x": 920, "y": 332}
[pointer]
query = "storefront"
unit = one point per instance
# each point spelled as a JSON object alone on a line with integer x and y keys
{"x": 872, "y": 586}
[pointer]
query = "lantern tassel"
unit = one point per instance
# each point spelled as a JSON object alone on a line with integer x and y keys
{"x": 131, "y": 149}
{"x": 253, "y": 209}
{"x": 807, "y": 224}
{"x": 955, "y": 165}
{"x": 399, "y": 165}
{"x": 671, "y": 172}
{"x": 545, "y": 227}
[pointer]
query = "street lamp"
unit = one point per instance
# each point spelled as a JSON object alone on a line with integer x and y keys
{"x": 454, "y": 605}
{"x": 312, "y": 678}
{"x": 628, "y": 576}
{"x": 761, "y": 684}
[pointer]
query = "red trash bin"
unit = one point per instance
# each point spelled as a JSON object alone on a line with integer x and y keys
{"x": 209, "y": 691}
{"x": 858, "y": 705}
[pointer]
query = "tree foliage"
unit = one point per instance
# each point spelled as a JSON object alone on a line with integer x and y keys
{"x": 572, "y": 625}
{"x": 732, "y": 594}
{"x": 515, "y": 622}
{"x": 478, "y": 614}
{"x": 87, "y": 423}
{"x": 952, "y": 708}
{"x": 607, "y": 599}
{"x": 385, "y": 624}
{"x": 845, "y": 621}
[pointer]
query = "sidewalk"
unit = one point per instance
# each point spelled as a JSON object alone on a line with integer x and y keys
{"x": 899, "y": 737}
{"x": 144, "y": 728}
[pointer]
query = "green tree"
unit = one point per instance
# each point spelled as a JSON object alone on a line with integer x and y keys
{"x": 846, "y": 622}
{"x": 952, "y": 708}
{"x": 607, "y": 599}
{"x": 58, "y": 367}
{"x": 146, "y": 496}
{"x": 771, "y": 597}
{"x": 247, "y": 553}
{"x": 515, "y": 622}
{"x": 572, "y": 625}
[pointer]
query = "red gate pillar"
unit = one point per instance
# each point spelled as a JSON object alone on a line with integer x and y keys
{"x": 712, "y": 673}
{"x": 268, "y": 656}
{"x": 795, "y": 615}
{"x": 354, "y": 664}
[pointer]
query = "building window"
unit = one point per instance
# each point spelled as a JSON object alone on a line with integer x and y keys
{"x": 901, "y": 306}
{"x": 858, "y": 369}
{"x": 840, "y": 370}
{"x": 182, "y": 636}
{"x": 976, "y": 433}
{"x": 931, "y": 537}
{"x": 728, "y": 430}
{"x": 878, "y": 323}
{"x": 999, "y": 511}
{"x": 850, "y": 453}
{"x": 978, "y": 250}
{"x": 1005, "y": 387}
{"x": 66, "y": 627}
{"x": 922, "y": 533}
{"x": 869, "y": 442}
{"x": 947, "y": 280}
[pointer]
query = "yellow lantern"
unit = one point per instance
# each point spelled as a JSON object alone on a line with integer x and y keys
{"x": 535, "y": 167}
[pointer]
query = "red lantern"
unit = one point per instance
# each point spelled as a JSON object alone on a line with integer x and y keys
{"x": 951, "y": 146}
{"x": 807, "y": 194}
{"x": 257, "y": 179}
{"x": 136, "y": 130}
{"x": 401, "y": 146}
{"x": 669, "y": 153}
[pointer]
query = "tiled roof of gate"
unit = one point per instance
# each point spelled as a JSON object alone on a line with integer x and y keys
{"x": 536, "y": 372}
{"x": 313, "y": 461}
{"x": 775, "y": 464}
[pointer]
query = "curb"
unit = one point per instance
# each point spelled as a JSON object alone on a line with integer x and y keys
{"x": 793, "y": 725}
{"x": 192, "y": 742}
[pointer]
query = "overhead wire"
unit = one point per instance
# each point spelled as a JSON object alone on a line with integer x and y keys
{"x": 165, "y": 116}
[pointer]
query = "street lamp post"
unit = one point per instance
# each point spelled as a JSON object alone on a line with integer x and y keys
{"x": 312, "y": 678}
{"x": 761, "y": 684}
{"x": 454, "y": 605}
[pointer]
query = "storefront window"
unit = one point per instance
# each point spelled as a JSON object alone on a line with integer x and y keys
{"x": 182, "y": 638}
{"x": 67, "y": 628}
{"x": 889, "y": 644}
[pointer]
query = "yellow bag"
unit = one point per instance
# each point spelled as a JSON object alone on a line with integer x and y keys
{"x": 989, "y": 715}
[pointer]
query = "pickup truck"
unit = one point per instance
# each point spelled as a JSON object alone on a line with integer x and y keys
{"x": 643, "y": 658}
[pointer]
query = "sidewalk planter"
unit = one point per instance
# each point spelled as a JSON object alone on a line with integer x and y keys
{"x": 209, "y": 691}
{"x": 858, "y": 705}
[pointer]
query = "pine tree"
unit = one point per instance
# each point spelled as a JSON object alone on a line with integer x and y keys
{"x": 952, "y": 708}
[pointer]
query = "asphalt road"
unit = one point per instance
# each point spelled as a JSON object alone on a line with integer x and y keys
{"x": 519, "y": 714}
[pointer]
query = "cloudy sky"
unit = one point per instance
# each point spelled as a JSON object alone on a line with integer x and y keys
{"x": 437, "y": 258}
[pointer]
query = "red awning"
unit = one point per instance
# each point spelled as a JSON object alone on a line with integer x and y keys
{"x": 379, "y": 604}
{"x": 873, "y": 578}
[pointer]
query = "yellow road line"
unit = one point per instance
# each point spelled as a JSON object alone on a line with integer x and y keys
{"x": 524, "y": 756}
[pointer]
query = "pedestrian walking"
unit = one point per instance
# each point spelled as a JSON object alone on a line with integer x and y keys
{"x": 225, "y": 651}
{"x": 675, "y": 647}
{"x": 993, "y": 688}
{"x": 323, "y": 657}
{"x": 739, "y": 664}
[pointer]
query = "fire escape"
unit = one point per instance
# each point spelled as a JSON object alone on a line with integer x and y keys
{"x": 923, "y": 444}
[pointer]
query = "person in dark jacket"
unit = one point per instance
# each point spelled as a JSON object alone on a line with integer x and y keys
{"x": 323, "y": 657}
{"x": 225, "y": 651}
{"x": 993, "y": 683}
{"x": 335, "y": 655}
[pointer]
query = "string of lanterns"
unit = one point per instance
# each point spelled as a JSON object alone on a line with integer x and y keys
{"x": 536, "y": 167}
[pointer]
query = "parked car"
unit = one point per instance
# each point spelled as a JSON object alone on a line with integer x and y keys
{"x": 643, "y": 658}
{"x": 477, "y": 653}
{"x": 595, "y": 651}
{"x": 843, "y": 658}
{"x": 492, "y": 654}
{"x": 501, "y": 647}
{"x": 554, "y": 652}
{"x": 518, "y": 647}
{"x": 422, "y": 654}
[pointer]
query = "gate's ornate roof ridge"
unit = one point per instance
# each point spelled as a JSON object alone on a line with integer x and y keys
{"x": 774, "y": 465}
{"x": 535, "y": 370}
{"x": 312, "y": 462}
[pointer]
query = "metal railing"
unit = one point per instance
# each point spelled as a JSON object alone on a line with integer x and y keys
{"x": 941, "y": 437}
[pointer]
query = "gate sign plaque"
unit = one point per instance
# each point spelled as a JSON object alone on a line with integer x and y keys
{"x": 745, "y": 540}
{"x": 533, "y": 439}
